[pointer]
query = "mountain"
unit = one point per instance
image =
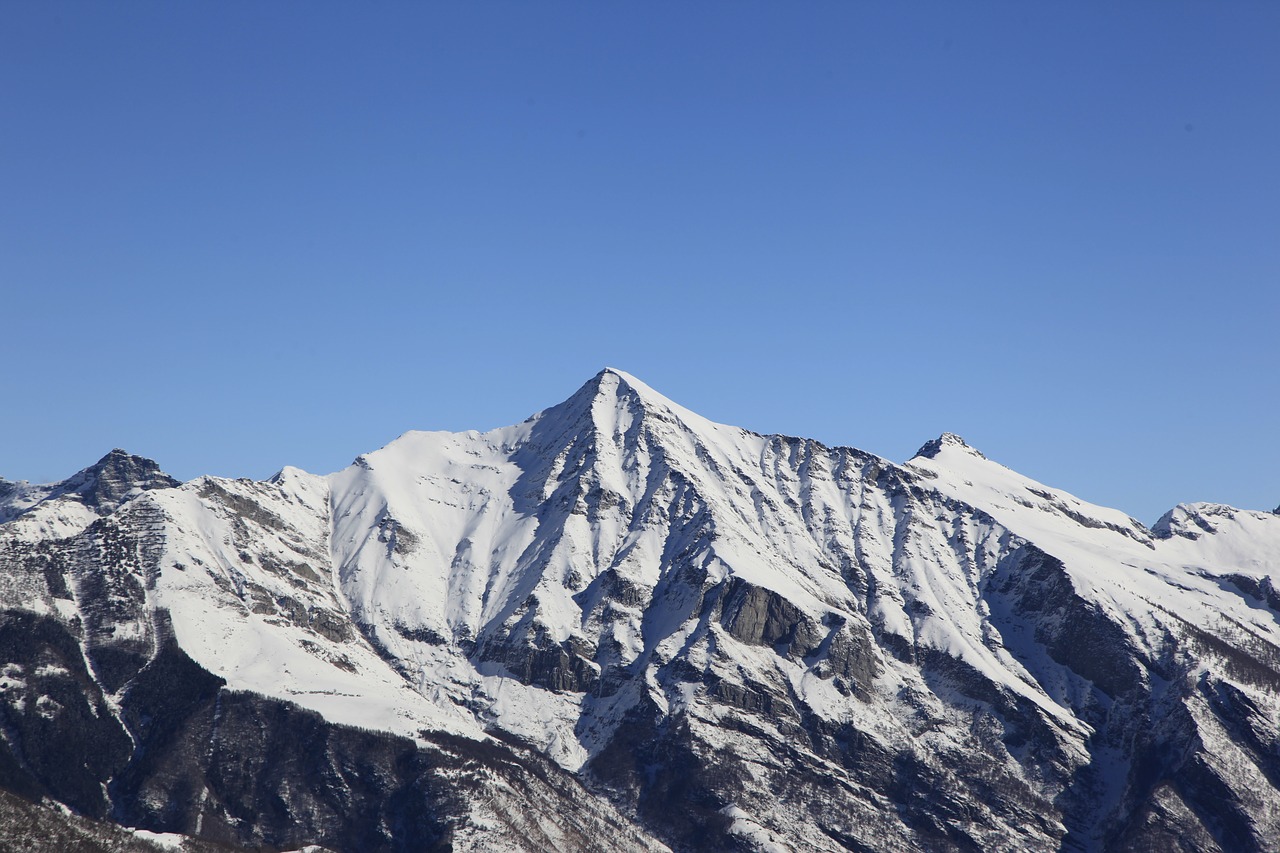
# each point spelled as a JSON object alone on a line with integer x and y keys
{"x": 620, "y": 626}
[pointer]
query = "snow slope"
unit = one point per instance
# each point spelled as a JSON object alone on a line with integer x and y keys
{"x": 737, "y": 640}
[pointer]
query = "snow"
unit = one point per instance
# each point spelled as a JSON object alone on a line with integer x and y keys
{"x": 605, "y": 527}
{"x": 1112, "y": 559}
{"x": 346, "y": 681}
{"x": 757, "y": 836}
{"x": 166, "y": 840}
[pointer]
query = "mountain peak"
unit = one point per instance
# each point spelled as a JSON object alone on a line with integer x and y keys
{"x": 105, "y": 484}
{"x": 612, "y": 390}
{"x": 617, "y": 382}
{"x": 931, "y": 449}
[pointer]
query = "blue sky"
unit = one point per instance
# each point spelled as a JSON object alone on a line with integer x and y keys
{"x": 239, "y": 236}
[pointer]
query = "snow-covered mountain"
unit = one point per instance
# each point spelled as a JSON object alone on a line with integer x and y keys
{"x": 619, "y": 625}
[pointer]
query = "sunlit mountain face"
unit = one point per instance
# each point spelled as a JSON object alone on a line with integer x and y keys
{"x": 620, "y": 626}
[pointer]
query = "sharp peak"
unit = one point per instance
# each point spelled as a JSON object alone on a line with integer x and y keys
{"x": 612, "y": 382}
{"x": 613, "y": 389}
{"x": 931, "y": 449}
{"x": 613, "y": 377}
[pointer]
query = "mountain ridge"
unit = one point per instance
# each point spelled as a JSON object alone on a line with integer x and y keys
{"x": 701, "y": 636}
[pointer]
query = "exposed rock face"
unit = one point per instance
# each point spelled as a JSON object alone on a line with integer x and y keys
{"x": 106, "y": 484}
{"x": 620, "y": 626}
{"x": 27, "y": 827}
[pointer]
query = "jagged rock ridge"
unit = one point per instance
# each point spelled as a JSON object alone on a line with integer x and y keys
{"x": 619, "y": 624}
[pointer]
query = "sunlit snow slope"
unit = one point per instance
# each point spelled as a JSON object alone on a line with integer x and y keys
{"x": 724, "y": 640}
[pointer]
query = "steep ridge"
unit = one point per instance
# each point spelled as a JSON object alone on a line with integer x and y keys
{"x": 719, "y": 639}
{"x": 1171, "y": 633}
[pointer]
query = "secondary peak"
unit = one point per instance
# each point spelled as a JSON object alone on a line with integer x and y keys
{"x": 931, "y": 449}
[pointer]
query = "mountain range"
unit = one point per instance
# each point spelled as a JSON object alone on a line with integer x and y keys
{"x": 620, "y": 626}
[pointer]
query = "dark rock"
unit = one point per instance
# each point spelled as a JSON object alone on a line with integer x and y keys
{"x": 551, "y": 666}
{"x": 334, "y": 627}
{"x": 933, "y": 447}
{"x": 761, "y": 617}
{"x": 104, "y": 485}
{"x": 60, "y": 738}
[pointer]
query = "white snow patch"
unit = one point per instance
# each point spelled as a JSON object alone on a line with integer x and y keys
{"x": 761, "y": 838}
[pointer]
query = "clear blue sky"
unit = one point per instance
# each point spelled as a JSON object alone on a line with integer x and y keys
{"x": 235, "y": 236}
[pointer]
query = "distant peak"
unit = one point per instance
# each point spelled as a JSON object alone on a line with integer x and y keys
{"x": 948, "y": 439}
{"x": 1191, "y": 520}
{"x": 105, "y": 484}
{"x": 123, "y": 460}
